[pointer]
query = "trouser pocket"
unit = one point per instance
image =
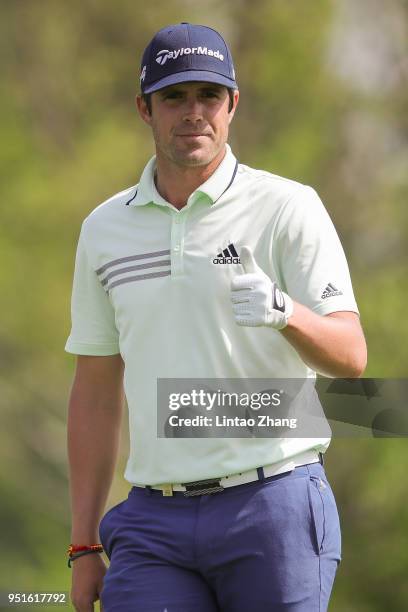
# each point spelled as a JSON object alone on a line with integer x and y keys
{"x": 324, "y": 518}
{"x": 315, "y": 489}
{"x": 107, "y": 528}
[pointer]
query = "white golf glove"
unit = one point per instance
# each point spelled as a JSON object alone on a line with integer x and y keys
{"x": 256, "y": 300}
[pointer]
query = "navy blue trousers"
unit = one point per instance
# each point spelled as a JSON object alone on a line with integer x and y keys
{"x": 266, "y": 546}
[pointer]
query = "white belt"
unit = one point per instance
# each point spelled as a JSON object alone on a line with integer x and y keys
{"x": 214, "y": 485}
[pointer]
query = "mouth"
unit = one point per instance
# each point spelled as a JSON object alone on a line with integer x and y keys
{"x": 192, "y": 135}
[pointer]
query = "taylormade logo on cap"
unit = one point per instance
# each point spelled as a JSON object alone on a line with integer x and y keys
{"x": 165, "y": 54}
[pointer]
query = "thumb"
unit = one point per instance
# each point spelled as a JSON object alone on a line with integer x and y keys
{"x": 248, "y": 260}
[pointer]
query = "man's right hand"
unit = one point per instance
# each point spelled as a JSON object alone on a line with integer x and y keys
{"x": 88, "y": 573}
{"x": 94, "y": 415}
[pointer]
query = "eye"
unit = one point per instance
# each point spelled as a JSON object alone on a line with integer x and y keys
{"x": 211, "y": 93}
{"x": 172, "y": 95}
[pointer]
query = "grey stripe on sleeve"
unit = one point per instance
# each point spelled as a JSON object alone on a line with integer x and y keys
{"x": 130, "y": 279}
{"x": 131, "y": 258}
{"x": 150, "y": 264}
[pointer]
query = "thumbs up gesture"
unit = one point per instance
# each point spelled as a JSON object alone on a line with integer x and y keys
{"x": 256, "y": 300}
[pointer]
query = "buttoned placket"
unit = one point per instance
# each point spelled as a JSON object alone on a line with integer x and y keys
{"x": 178, "y": 228}
{"x": 178, "y": 232}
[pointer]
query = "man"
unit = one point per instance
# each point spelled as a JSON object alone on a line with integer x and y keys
{"x": 205, "y": 269}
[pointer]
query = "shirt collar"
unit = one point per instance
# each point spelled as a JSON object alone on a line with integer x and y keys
{"x": 213, "y": 188}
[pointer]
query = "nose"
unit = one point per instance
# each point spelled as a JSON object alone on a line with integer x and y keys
{"x": 193, "y": 110}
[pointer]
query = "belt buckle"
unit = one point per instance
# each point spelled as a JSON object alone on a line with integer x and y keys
{"x": 202, "y": 487}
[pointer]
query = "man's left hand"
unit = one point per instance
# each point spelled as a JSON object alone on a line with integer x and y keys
{"x": 256, "y": 300}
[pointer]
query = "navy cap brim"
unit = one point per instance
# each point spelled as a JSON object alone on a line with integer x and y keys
{"x": 190, "y": 75}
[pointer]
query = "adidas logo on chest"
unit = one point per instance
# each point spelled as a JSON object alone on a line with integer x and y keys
{"x": 228, "y": 255}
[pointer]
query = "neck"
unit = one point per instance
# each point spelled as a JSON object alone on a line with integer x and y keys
{"x": 176, "y": 183}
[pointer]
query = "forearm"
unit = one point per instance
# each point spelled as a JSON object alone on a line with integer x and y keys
{"x": 93, "y": 440}
{"x": 331, "y": 346}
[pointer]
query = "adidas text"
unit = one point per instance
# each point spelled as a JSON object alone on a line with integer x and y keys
{"x": 331, "y": 291}
{"x": 226, "y": 260}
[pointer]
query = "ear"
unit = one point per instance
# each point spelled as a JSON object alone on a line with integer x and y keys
{"x": 232, "y": 111}
{"x": 143, "y": 110}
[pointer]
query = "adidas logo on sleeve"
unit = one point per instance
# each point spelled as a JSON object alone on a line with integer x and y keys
{"x": 228, "y": 255}
{"x": 330, "y": 291}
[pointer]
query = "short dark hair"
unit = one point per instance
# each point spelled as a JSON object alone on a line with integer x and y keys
{"x": 147, "y": 98}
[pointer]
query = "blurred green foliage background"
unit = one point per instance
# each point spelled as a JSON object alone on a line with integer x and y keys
{"x": 323, "y": 101}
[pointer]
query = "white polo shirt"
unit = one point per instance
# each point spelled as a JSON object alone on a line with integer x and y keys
{"x": 153, "y": 283}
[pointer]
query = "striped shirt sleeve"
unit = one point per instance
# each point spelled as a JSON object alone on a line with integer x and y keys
{"x": 93, "y": 328}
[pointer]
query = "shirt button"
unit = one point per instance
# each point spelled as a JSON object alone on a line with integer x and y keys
{"x": 176, "y": 248}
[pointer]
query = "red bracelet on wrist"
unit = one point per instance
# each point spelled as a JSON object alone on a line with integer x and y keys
{"x": 74, "y": 551}
{"x": 74, "y": 548}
